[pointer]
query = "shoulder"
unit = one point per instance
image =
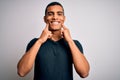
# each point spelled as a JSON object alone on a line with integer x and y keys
{"x": 77, "y": 42}
{"x": 33, "y": 40}
{"x": 31, "y": 43}
{"x": 79, "y": 45}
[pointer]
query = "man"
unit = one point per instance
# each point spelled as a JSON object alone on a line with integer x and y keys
{"x": 54, "y": 51}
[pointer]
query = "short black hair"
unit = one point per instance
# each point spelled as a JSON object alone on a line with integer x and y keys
{"x": 53, "y": 4}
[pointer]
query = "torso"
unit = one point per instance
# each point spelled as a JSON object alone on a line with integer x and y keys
{"x": 53, "y": 61}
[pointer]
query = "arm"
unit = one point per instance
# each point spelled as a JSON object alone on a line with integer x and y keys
{"x": 26, "y": 62}
{"x": 80, "y": 63}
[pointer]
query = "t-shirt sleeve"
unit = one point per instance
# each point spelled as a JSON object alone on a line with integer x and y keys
{"x": 31, "y": 43}
{"x": 78, "y": 44}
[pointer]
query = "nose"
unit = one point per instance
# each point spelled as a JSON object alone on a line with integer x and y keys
{"x": 55, "y": 17}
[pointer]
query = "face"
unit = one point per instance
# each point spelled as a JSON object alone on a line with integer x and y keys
{"x": 54, "y": 17}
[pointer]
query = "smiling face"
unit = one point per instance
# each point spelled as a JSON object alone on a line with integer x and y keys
{"x": 54, "y": 17}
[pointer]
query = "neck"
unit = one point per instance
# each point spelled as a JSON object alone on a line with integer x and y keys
{"x": 56, "y": 35}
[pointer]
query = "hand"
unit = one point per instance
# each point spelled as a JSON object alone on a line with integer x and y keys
{"x": 65, "y": 33}
{"x": 45, "y": 34}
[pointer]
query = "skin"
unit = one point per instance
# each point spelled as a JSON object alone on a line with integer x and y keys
{"x": 54, "y": 30}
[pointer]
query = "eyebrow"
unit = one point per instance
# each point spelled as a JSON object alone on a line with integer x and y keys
{"x": 53, "y": 12}
{"x": 60, "y": 12}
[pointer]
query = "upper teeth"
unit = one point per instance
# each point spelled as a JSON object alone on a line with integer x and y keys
{"x": 55, "y": 23}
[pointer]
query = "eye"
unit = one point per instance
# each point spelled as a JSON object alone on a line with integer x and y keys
{"x": 50, "y": 13}
{"x": 60, "y": 13}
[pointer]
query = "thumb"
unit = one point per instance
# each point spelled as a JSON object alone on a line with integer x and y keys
{"x": 50, "y": 35}
{"x": 62, "y": 32}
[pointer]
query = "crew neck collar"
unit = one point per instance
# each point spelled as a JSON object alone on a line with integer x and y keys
{"x": 56, "y": 41}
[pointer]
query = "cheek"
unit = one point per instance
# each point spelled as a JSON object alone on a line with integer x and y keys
{"x": 48, "y": 19}
{"x": 62, "y": 19}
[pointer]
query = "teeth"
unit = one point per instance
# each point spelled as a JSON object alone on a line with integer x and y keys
{"x": 55, "y": 23}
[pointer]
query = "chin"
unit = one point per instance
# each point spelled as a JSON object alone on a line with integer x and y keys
{"x": 55, "y": 28}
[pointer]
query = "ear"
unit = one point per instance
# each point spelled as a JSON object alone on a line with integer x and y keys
{"x": 45, "y": 19}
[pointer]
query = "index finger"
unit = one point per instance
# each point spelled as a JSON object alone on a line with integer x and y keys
{"x": 63, "y": 26}
{"x": 47, "y": 26}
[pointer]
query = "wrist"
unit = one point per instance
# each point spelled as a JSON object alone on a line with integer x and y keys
{"x": 70, "y": 41}
{"x": 39, "y": 41}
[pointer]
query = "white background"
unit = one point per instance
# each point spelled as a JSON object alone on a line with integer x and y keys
{"x": 95, "y": 23}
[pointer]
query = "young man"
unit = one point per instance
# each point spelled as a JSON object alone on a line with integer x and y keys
{"x": 54, "y": 51}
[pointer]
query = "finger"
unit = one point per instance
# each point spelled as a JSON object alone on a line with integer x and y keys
{"x": 50, "y": 35}
{"x": 63, "y": 26}
{"x": 62, "y": 31}
{"x": 47, "y": 26}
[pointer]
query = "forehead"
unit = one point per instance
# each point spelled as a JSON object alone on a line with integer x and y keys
{"x": 55, "y": 8}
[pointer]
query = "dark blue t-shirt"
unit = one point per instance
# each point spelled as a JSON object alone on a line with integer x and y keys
{"x": 53, "y": 60}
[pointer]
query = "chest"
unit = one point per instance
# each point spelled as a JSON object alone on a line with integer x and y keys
{"x": 51, "y": 54}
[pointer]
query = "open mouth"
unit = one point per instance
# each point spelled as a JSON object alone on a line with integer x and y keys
{"x": 55, "y": 22}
